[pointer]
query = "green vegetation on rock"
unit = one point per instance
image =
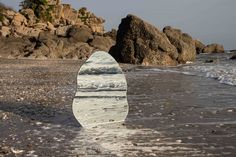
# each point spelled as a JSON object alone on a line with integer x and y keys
{"x": 1, "y": 15}
{"x": 41, "y": 9}
{"x": 2, "y": 8}
{"x": 83, "y": 14}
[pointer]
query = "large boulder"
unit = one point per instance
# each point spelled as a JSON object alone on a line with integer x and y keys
{"x": 183, "y": 42}
{"x": 138, "y": 42}
{"x": 80, "y": 34}
{"x": 102, "y": 43}
{"x": 213, "y": 48}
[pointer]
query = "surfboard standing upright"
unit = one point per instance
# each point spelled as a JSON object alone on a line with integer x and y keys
{"x": 101, "y": 95}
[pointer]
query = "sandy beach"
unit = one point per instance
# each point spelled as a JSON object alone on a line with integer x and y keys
{"x": 170, "y": 114}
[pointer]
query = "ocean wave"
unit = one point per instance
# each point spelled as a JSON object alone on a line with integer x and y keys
{"x": 225, "y": 74}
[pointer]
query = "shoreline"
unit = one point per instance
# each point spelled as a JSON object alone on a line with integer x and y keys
{"x": 169, "y": 114}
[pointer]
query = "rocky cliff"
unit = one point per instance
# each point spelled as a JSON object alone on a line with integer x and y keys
{"x": 65, "y": 33}
{"x": 62, "y": 32}
{"x": 26, "y": 23}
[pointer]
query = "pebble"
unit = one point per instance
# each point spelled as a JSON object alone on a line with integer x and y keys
{"x": 16, "y": 151}
{"x": 230, "y": 111}
{"x": 179, "y": 141}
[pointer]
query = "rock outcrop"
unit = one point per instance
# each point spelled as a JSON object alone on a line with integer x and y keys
{"x": 138, "y": 42}
{"x": 60, "y": 18}
{"x": 183, "y": 42}
{"x": 213, "y": 48}
{"x": 74, "y": 34}
{"x": 71, "y": 34}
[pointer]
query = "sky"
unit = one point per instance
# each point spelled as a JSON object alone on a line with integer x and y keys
{"x": 211, "y": 21}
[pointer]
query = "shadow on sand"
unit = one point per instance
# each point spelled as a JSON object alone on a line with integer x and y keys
{"x": 34, "y": 111}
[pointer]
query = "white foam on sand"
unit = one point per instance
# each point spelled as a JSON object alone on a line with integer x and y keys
{"x": 115, "y": 139}
{"x": 225, "y": 74}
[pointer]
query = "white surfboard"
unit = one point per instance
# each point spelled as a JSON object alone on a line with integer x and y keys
{"x": 101, "y": 95}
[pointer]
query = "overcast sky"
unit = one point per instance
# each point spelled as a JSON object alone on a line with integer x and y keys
{"x": 208, "y": 20}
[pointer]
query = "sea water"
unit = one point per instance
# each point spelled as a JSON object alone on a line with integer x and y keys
{"x": 214, "y": 66}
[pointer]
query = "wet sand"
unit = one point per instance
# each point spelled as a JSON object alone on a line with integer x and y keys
{"x": 170, "y": 114}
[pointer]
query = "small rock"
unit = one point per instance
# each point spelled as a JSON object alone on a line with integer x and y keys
{"x": 209, "y": 61}
{"x": 179, "y": 141}
{"x": 16, "y": 151}
{"x": 213, "y": 48}
{"x": 233, "y": 57}
{"x": 230, "y": 111}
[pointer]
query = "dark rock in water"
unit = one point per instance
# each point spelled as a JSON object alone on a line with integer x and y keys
{"x": 209, "y": 61}
{"x": 138, "y": 42}
{"x": 213, "y": 48}
{"x": 199, "y": 46}
{"x": 233, "y": 57}
{"x": 183, "y": 42}
{"x": 102, "y": 43}
{"x": 80, "y": 34}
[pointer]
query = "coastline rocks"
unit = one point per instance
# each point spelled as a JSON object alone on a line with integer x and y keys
{"x": 183, "y": 42}
{"x": 138, "y": 42}
{"x": 213, "y": 48}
